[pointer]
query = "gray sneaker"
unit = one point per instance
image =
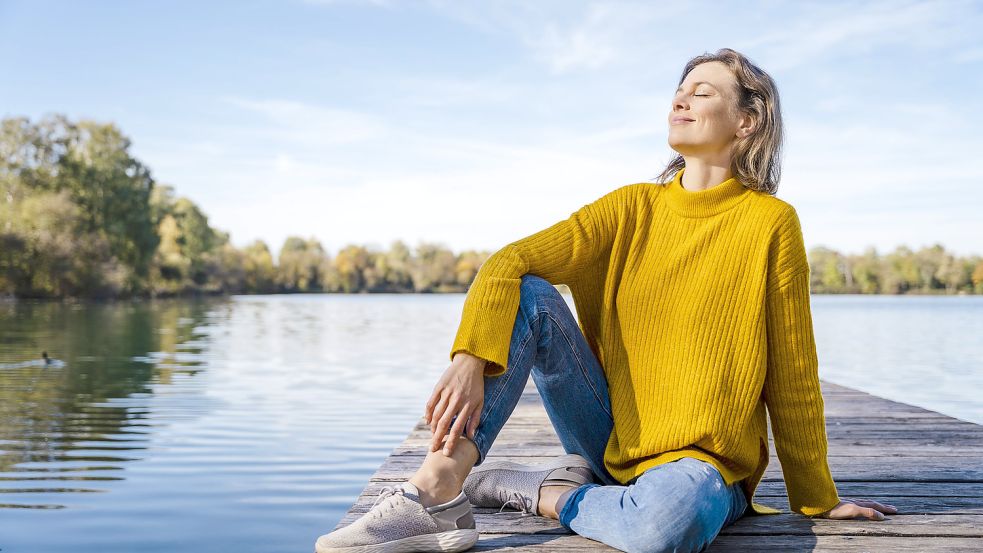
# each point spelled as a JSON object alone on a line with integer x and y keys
{"x": 507, "y": 484}
{"x": 398, "y": 523}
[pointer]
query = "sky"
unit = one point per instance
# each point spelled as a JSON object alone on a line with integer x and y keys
{"x": 473, "y": 124}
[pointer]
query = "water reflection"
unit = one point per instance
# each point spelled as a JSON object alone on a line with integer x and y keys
{"x": 250, "y": 423}
{"x": 83, "y": 416}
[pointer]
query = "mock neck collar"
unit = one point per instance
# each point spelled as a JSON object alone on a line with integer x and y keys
{"x": 704, "y": 203}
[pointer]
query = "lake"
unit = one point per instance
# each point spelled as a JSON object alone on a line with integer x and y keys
{"x": 251, "y": 423}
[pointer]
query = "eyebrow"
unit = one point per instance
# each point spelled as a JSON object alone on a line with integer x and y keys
{"x": 697, "y": 83}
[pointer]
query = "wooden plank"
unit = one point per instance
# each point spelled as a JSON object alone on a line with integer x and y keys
{"x": 513, "y": 522}
{"x": 548, "y": 543}
{"x": 963, "y": 503}
{"x": 949, "y": 469}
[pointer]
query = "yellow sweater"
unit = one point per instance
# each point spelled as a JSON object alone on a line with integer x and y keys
{"x": 697, "y": 306}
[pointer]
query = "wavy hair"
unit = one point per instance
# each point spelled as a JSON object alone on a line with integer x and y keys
{"x": 756, "y": 157}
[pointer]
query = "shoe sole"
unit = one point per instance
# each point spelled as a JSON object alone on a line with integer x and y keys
{"x": 452, "y": 541}
{"x": 563, "y": 461}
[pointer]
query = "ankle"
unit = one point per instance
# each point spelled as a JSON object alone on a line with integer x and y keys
{"x": 552, "y": 498}
{"x": 434, "y": 490}
{"x": 441, "y": 477}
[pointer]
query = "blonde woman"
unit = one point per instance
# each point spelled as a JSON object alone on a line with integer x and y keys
{"x": 694, "y": 316}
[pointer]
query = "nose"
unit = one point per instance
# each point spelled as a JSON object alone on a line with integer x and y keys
{"x": 678, "y": 103}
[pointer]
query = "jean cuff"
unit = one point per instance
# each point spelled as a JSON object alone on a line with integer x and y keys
{"x": 479, "y": 443}
{"x": 572, "y": 507}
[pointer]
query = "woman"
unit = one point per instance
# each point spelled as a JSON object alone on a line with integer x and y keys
{"x": 693, "y": 298}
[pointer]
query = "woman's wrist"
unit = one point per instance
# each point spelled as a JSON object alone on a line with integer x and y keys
{"x": 470, "y": 360}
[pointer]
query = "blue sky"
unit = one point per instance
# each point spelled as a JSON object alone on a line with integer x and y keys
{"x": 474, "y": 124}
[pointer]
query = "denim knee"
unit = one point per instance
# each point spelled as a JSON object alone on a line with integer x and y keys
{"x": 534, "y": 285}
{"x": 687, "y": 526}
{"x": 537, "y": 291}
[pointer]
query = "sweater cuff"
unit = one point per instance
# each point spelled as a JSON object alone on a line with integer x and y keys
{"x": 811, "y": 490}
{"x": 487, "y": 322}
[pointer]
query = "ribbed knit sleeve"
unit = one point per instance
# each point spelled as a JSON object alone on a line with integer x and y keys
{"x": 558, "y": 254}
{"x": 791, "y": 389}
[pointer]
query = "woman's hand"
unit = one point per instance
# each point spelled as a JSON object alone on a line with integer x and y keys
{"x": 461, "y": 392}
{"x": 860, "y": 508}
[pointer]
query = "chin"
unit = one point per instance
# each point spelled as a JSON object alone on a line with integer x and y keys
{"x": 682, "y": 148}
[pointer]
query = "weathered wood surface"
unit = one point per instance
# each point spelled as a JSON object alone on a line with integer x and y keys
{"x": 928, "y": 465}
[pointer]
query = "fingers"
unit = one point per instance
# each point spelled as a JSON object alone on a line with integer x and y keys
{"x": 475, "y": 420}
{"x": 438, "y": 411}
{"x": 864, "y": 508}
{"x": 431, "y": 403}
{"x": 439, "y": 391}
{"x": 456, "y": 430}
{"x": 882, "y": 507}
{"x": 435, "y": 416}
{"x": 871, "y": 513}
{"x": 443, "y": 423}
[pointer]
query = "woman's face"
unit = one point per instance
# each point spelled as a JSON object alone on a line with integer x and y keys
{"x": 704, "y": 120}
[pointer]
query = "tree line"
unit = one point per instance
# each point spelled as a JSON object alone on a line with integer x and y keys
{"x": 81, "y": 217}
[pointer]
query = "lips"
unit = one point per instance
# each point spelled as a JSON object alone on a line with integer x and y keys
{"x": 681, "y": 120}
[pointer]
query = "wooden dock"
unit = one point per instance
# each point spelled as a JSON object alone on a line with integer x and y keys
{"x": 928, "y": 465}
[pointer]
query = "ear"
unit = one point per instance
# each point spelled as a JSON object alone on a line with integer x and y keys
{"x": 745, "y": 125}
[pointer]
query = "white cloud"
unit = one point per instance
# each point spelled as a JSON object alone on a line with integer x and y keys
{"x": 569, "y": 36}
{"x": 588, "y": 44}
{"x": 829, "y": 30}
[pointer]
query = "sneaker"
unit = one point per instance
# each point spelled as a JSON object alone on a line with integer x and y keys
{"x": 398, "y": 522}
{"x": 507, "y": 484}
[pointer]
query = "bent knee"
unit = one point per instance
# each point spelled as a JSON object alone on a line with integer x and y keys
{"x": 538, "y": 287}
{"x": 678, "y": 521}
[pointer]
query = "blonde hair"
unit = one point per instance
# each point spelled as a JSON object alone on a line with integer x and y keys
{"x": 757, "y": 156}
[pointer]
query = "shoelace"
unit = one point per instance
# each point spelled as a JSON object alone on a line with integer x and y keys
{"x": 518, "y": 501}
{"x": 386, "y": 493}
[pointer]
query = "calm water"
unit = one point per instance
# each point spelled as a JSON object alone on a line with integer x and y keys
{"x": 252, "y": 423}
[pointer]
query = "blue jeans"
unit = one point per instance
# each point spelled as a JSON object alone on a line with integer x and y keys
{"x": 677, "y": 506}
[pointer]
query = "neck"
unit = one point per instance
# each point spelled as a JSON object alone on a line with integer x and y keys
{"x": 702, "y": 174}
{"x": 704, "y": 203}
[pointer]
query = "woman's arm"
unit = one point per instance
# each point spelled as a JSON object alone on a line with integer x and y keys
{"x": 792, "y": 391}
{"x": 559, "y": 254}
{"x": 795, "y": 402}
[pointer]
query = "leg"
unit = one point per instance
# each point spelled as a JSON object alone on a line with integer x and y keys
{"x": 678, "y": 506}
{"x": 547, "y": 342}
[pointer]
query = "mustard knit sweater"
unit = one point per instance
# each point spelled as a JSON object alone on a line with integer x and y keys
{"x": 697, "y": 306}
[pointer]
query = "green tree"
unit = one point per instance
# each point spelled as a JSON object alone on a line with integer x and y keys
{"x": 865, "y": 272}
{"x": 260, "y": 273}
{"x": 189, "y": 252}
{"x": 300, "y": 265}
{"x": 978, "y": 277}
{"x": 353, "y": 263}
{"x": 434, "y": 269}
{"x": 109, "y": 188}
{"x": 467, "y": 266}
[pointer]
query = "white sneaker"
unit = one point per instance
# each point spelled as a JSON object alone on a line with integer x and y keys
{"x": 398, "y": 523}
